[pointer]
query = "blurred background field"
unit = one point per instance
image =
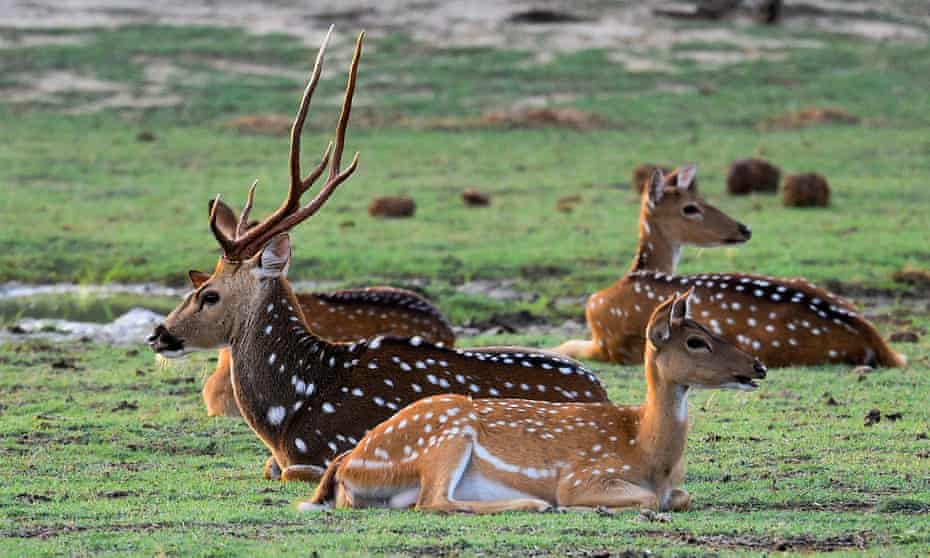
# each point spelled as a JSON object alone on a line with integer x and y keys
{"x": 120, "y": 120}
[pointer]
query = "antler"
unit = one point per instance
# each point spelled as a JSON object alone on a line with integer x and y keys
{"x": 249, "y": 241}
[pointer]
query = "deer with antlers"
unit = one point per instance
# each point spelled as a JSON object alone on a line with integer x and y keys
{"x": 309, "y": 399}
{"x": 452, "y": 453}
{"x": 784, "y": 322}
{"x": 343, "y": 316}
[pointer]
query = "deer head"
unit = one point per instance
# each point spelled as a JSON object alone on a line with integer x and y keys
{"x": 686, "y": 353}
{"x": 681, "y": 216}
{"x": 255, "y": 255}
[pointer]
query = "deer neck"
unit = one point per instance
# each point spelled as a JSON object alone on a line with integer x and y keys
{"x": 278, "y": 365}
{"x": 663, "y": 430}
{"x": 655, "y": 251}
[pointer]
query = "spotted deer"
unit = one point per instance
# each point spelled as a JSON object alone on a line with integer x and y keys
{"x": 783, "y": 322}
{"x": 309, "y": 399}
{"x": 452, "y": 453}
{"x": 344, "y": 315}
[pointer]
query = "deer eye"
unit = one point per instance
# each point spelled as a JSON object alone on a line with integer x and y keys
{"x": 690, "y": 210}
{"x": 210, "y": 297}
{"x": 698, "y": 344}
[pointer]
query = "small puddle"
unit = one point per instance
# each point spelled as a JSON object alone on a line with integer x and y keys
{"x": 80, "y": 303}
{"x": 96, "y": 309}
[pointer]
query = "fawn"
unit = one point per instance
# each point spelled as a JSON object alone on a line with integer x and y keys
{"x": 784, "y": 322}
{"x": 345, "y": 315}
{"x": 451, "y": 453}
{"x": 309, "y": 399}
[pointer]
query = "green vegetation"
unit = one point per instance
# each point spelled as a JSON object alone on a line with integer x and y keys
{"x": 105, "y": 453}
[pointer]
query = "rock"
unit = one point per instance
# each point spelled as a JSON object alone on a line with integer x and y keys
{"x": 475, "y": 198}
{"x": 806, "y": 190}
{"x": 392, "y": 207}
{"x": 752, "y": 175}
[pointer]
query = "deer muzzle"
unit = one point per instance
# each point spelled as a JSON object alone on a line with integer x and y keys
{"x": 163, "y": 342}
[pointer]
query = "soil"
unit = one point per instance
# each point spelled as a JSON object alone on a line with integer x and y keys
{"x": 630, "y": 32}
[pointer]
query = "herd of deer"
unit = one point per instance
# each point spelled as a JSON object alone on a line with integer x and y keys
{"x": 363, "y": 390}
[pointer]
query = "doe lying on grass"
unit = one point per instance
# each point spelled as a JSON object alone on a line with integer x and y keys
{"x": 784, "y": 322}
{"x": 309, "y": 399}
{"x": 451, "y": 453}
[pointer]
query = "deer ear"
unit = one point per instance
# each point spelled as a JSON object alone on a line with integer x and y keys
{"x": 656, "y": 188}
{"x": 686, "y": 176}
{"x": 681, "y": 307}
{"x": 198, "y": 277}
{"x": 275, "y": 257}
{"x": 226, "y": 218}
{"x": 660, "y": 326}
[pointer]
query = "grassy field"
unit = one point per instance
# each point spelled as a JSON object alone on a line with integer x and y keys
{"x": 105, "y": 453}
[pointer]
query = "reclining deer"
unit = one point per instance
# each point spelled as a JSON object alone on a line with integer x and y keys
{"x": 784, "y": 322}
{"x": 452, "y": 453}
{"x": 346, "y": 315}
{"x": 309, "y": 399}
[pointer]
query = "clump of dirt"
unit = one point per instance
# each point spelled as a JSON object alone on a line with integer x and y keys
{"x": 261, "y": 124}
{"x": 475, "y": 198}
{"x": 392, "y": 207}
{"x": 806, "y": 190}
{"x": 125, "y": 406}
{"x": 567, "y": 204}
{"x": 904, "y": 337}
{"x": 799, "y": 543}
{"x": 811, "y": 116}
{"x": 752, "y": 175}
{"x": 913, "y": 276}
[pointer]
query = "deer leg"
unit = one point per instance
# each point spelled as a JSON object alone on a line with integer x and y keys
{"x": 679, "y": 500}
{"x": 437, "y": 486}
{"x": 610, "y": 493}
{"x": 272, "y": 469}
{"x": 580, "y": 349}
{"x": 305, "y": 473}
{"x": 218, "y": 390}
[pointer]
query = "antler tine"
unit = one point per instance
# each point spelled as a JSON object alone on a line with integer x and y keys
{"x": 346, "y": 107}
{"x": 298, "y": 127}
{"x": 244, "y": 216}
{"x": 226, "y": 243}
{"x": 290, "y": 213}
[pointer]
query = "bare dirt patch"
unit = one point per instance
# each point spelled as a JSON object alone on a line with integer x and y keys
{"x": 810, "y": 116}
{"x": 521, "y": 117}
{"x": 798, "y": 543}
{"x": 629, "y": 27}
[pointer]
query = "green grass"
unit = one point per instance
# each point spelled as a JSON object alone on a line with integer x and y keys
{"x": 86, "y": 475}
{"x": 84, "y": 200}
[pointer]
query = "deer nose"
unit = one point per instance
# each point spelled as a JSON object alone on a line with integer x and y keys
{"x": 759, "y": 368}
{"x": 156, "y": 333}
{"x": 745, "y": 231}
